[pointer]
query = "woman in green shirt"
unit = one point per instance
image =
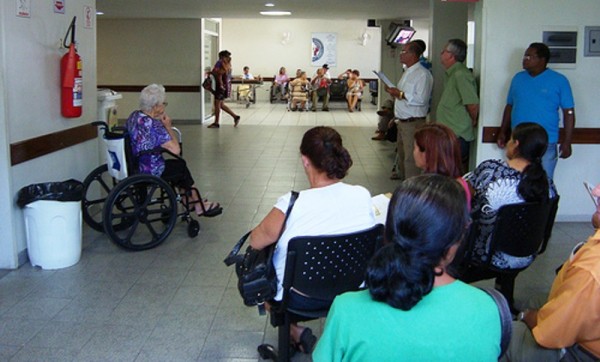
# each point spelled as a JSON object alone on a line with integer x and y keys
{"x": 413, "y": 309}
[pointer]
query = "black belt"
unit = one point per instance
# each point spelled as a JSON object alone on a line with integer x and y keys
{"x": 411, "y": 119}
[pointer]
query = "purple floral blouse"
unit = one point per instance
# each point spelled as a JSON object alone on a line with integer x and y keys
{"x": 147, "y": 133}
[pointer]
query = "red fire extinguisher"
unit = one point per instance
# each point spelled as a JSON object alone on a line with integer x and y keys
{"x": 71, "y": 82}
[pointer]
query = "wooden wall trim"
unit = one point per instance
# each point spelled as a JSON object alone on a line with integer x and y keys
{"x": 39, "y": 146}
{"x": 181, "y": 88}
{"x": 138, "y": 88}
{"x": 586, "y": 136}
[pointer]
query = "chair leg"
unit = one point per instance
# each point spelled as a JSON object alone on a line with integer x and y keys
{"x": 505, "y": 283}
{"x": 284, "y": 339}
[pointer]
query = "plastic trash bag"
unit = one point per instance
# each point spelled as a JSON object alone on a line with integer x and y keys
{"x": 69, "y": 190}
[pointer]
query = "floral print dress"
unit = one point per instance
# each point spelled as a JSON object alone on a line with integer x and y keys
{"x": 147, "y": 133}
{"x": 495, "y": 185}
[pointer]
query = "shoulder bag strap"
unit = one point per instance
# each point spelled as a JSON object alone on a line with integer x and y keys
{"x": 234, "y": 256}
{"x": 505, "y": 318}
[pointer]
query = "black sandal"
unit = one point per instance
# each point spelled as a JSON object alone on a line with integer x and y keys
{"x": 213, "y": 210}
{"x": 307, "y": 341}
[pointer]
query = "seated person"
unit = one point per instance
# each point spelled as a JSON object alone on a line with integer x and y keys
{"x": 328, "y": 207}
{"x": 437, "y": 150}
{"x": 299, "y": 91}
{"x": 413, "y": 309}
{"x": 244, "y": 90}
{"x": 567, "y": 326}
{"x": 150, "y": 128}
{"x": 320, "y": 88}
{"x": 355, "y": 89}
{"x": 281, "y": 82}
{"x": 496, "y": 183}
{"x": 386, "y": 114}
{"x": 247, "y": 75}
{"x": 347, "y": 73}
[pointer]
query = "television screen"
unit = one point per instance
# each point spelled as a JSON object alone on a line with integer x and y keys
{"x": 404, "y": 35}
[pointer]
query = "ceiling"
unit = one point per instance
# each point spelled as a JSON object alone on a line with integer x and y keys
{"x": 301, "y": 9}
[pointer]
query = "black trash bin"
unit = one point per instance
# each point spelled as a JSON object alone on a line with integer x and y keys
{"x": 52, "y": 212}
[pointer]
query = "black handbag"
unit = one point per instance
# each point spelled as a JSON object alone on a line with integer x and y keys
{"x": 257, "y": 280}
{"x": 210, "y": 83}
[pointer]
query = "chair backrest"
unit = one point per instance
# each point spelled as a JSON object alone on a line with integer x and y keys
{"x": 520, "y": 228}
{"x": 326, "y": 266}
{"x": 338, "y": 89}
{"x": 550, "y": 224}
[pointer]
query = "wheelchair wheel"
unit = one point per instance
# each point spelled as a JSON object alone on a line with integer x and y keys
{"x": 147, "y": 205}
{"x": 193, "y": 228}
{"x": 96, "y": 187}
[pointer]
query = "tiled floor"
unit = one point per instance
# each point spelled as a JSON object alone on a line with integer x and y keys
{"x": 179, "y": 302}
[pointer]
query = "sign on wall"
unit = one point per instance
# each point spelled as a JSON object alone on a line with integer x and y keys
{"x": 24, "y": 8}
{"x": 59, "y": 6}
{"x": 323, "y": 50}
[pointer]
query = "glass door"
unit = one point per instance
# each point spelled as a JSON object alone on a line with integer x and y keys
{"x": 211, "y": 28}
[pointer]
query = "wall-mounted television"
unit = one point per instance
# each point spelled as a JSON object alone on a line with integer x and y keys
{"x": 399, "y": 34}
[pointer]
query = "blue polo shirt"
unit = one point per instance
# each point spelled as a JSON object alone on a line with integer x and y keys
{"x": 538, "y": 99}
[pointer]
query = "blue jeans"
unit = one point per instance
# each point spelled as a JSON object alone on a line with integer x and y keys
{"x": 549, "y": 159}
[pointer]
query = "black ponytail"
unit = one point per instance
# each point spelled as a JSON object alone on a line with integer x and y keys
{"x": 532, "y": 144}
{"x": 427, "y": 215}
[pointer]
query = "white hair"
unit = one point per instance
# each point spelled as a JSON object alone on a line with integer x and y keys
{"x": 151, "y": 96}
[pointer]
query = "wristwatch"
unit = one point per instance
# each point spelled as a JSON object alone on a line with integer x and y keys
{"x": 401, "y": 95}
{"x": 521, "y": 316}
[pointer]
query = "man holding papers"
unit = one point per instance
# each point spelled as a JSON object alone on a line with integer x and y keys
{"x": 411, "y": 104}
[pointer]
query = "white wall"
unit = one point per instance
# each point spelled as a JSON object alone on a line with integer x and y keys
{"x": 257, "y": 44}
{"x": 30, "y": 107}
{"x": 144, "y": 51}
{"x": 506, "y": 28}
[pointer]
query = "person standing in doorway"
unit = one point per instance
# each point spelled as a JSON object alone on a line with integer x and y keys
{"x": 536, "y": 94}
{"x": 458, "y": 107}
{"x": 222, "y": 73}
{"x": 411, "y": 105}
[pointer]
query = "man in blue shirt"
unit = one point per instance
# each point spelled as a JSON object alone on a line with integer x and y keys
{"x": 536, "y": 95}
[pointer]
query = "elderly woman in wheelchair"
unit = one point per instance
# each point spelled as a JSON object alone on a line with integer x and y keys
{"x": 132, "y": 197}
{"x": 328, "y": 207}
{"x": 150, "y": 129}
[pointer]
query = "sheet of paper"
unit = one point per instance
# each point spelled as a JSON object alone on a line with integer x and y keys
{"x": 589, "y": 188}
{"x": 380, "y": 207}
{"x": 384, "y": 78}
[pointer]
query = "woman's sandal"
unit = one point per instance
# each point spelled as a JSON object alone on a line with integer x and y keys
{"x": 213, "y": 209}
{"x": 236, "y": 120}
{"x": 213, "y": 125}
{"x": 307, "y": 341}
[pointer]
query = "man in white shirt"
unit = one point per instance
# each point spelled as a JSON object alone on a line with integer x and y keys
{"x": 411, "y": 105}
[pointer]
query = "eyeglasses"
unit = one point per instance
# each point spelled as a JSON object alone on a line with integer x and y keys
{"x": 529, "y": 57}
{"x": 165, "y": 104}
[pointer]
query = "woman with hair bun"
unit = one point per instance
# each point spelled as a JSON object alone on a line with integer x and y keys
{"x": 413, "y": 309}
{"x": 328, "y": 207}
{"x": 521, "y": 178}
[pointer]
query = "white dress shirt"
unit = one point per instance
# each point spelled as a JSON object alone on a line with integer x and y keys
{"x": 416, "y": 83}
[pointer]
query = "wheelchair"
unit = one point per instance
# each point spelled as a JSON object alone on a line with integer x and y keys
{"x": 137, "y": 211}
